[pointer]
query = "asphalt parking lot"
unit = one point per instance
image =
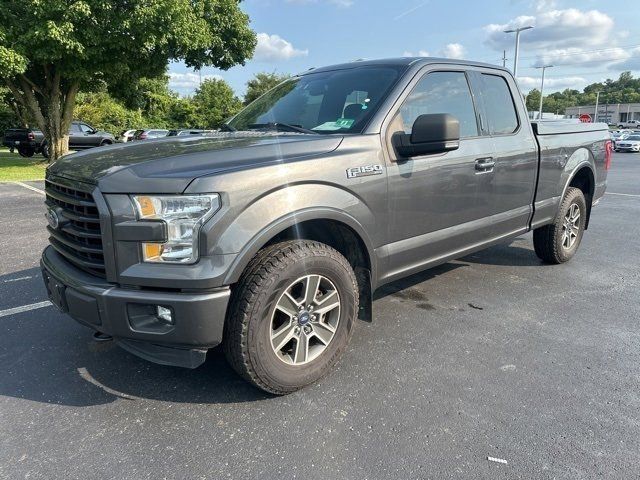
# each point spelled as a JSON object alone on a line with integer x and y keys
{"x": 494, "y": 355}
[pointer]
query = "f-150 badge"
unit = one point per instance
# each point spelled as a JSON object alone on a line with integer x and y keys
{"x": 364, "y": 171}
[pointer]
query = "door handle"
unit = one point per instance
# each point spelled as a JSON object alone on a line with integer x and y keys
{"x": 485, "y": 164}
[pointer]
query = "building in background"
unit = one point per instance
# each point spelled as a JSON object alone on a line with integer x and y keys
{"x": 612, "y": 113}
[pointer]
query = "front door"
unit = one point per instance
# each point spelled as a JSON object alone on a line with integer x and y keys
{"x": 439, "y": 204}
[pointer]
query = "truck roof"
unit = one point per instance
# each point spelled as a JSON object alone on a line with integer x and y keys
{"x": 403, "y": 61}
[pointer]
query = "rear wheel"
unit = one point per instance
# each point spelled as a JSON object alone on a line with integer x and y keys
{"x": 26, "y": 152}
{"x": 558, "y": 242}
{"x": 106, "y": 142}
{"x": 291, "y": 315}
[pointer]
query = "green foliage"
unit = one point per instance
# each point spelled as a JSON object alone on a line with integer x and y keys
{"x": 624, "y": 90}
{"x": 215, "y": 102}
{"x": 101, "y": 111}
{"x": 121, "y": 40}
{"x": 262, "y": 83}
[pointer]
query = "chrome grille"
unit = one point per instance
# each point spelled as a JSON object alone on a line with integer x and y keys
{"x": 78, "y": 238}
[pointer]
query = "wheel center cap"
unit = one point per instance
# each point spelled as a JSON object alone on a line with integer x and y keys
{"x": 304, "y": 317}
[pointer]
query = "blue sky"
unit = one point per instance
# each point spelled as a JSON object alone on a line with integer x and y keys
{"x": 587, "y": 40}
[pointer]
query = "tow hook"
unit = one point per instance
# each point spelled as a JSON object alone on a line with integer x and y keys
{"x": 101, "y": 337}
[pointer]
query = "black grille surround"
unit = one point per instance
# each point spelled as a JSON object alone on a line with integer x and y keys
{"x": 78, "y": 237}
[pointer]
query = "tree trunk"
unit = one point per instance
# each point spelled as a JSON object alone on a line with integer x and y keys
{"x": 52, "y": 108}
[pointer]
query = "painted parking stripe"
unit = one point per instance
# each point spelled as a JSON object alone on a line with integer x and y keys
{"x": 623, "y": 194}
{"x": 24, "y": 308}
{"x": 34, "y": 189}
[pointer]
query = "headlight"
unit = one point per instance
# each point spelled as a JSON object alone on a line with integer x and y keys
{"x": 183, "y": 214}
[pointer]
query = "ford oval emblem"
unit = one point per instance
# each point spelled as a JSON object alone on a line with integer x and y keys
{"x": 52, "y": 218}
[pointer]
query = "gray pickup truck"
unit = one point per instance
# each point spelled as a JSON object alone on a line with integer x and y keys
{"x": 270, "y": 237}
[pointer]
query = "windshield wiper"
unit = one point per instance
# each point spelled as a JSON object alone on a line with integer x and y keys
{"x": 281, "y": 126}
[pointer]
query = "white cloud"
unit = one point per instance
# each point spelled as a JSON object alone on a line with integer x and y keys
{"x": 275, "y": 48}
{"x": 338, "y": 3}
{"x": 528, "y": 83}
{"x": 561, "y": 37}
{"x": 632, "y": 62}
{"x": 420, "y": 53}
{"x": 453, "y": 50}
{"x": 188, "y": 80}
{"x": 555, "y": 28}
{"x": 579, "y": 56}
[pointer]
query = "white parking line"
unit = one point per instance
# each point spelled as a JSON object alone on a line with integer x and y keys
{"x": 37, "y": 190}
{"x": 623, "y": 194}
{"x": 18, "y": 279}
{"x": 24, "y": 308}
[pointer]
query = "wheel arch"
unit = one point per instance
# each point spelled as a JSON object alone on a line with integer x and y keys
{"x": 328, "y": 225}
{"x": 583, "y": 177}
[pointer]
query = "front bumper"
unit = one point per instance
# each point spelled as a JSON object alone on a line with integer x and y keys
{"x": 128, "y": 314}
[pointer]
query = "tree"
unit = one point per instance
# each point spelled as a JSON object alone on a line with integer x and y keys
{"x": 215, "y": 102}
{"x": 51, "y": 49}
{"x": 103, "y": 112}
{"x": 262, "y": 83}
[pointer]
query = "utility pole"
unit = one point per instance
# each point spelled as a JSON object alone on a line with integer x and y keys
{"x": 595, "y": 119}
{"x": 517, "y": 52}
{"x": 544, "y": 68}
{"x": 504, "y": 59}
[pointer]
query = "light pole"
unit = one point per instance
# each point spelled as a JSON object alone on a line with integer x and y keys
{"x": 515, "y": 59}
{"x": 544, "y": 68}
{"x": 595, "y": 119}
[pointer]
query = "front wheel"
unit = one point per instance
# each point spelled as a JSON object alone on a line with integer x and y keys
{"x": 291, "y": 315}
{"x": 558, "y": 242}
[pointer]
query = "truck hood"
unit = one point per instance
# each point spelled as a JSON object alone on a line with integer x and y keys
{"x": 169, "y": 165}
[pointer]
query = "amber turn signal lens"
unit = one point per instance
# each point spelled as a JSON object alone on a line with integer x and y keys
{"x": 151, "y": 250}
{"x": 147, "y": 208}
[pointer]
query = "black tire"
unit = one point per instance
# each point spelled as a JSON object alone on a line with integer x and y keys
{"x": 549, "y": 241}
{"x": 26, "y": 152}
{"x": 106, "y": 142}
{"x": 45, "y": 150}
{"x": 248, "y": 329}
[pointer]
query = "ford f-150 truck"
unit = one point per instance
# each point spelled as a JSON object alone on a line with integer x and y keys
{"x": 270, "y": 236}
{"x": 28, "y": 142}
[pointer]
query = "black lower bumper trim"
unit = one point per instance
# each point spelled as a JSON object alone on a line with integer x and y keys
{"x": 176, "y": 357}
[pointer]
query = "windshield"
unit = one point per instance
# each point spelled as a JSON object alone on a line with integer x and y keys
{"x": 340, "y": 101}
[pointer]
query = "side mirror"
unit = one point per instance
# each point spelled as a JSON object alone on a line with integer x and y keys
{"x": 432, "y": 133}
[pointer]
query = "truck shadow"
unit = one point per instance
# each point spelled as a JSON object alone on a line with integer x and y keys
{"x": 48, "y": 358}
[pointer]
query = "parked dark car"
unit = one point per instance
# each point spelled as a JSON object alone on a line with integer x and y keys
{"x": 82, "y": 136}
{"x": 272, "y": 236}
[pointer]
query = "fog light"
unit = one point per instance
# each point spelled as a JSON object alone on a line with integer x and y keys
{"x": 165, "y": 314}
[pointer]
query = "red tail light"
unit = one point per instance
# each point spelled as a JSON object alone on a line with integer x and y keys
{"x": 608, "y": 154}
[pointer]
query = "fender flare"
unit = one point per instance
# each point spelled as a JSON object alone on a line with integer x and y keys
{"x": 268, "y": 232}
{"x": 573, "y": 174}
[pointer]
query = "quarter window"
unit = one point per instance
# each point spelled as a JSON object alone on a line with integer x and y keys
{"x": 498, "y": 103}
{"x": 441, "y": 92}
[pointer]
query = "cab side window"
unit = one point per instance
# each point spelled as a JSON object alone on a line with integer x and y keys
{"x": 499, "y": 106}
{"x": 85, "y": 128}
{"x": 441, "y": 92}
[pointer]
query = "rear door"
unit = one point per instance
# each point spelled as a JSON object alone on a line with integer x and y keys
{"x": 439, "y": 204}
{"x": 505, "y": 121}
